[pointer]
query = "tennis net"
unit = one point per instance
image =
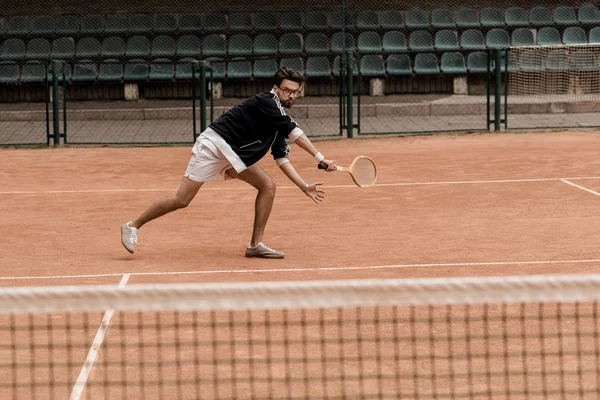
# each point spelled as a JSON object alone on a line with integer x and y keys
{"x": 469, "y": 338}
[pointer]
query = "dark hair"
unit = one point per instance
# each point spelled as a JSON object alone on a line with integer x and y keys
{"x": 289, "y": 74}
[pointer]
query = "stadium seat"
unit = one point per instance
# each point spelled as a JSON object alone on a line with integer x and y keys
{"x": 163, "y": 46}
{"x": 88, "y": 48}
{"x": 497, "y": 39}
{"x": 336, "y": 66}
{"x": 218, "y": 66}
{"x": 540, "y": 16}
{"x": 214, "y": 45}
{"x": 13, "y": 49}
{"x": 239, "y": 69}
{"x": 369, "y": 42}
{"x": 138, "y": 47}
{"x": 265, "y": 44}
{"x": 67, "y": 25}
{"x": 161, "y": 69}
{"x": 420, "y": 41}
{"x": 187, "y": 69}
{"x": 588, "y": 14}
{"x": 453, "y": 63}
{"x": 522, "y": 37}
{"x": 190, "y": 23}
{"x": 594, "y": 35}
{"x": 446, "y": 40}
{"x": 215, "y": 22}
{"x": 477, "y": 62}
{"x": 399, "y": 65}
{"x": 9, "y": 72}
{"x": 38, "y": 49}
{"x": 367, "y": 20}
{"x": 531, "y": 61}
{"x": 342, "y": 41}
{"x": 392, "y": 19}
{"x": 574, "y": 35}
{"x": 290, "y": 21}
{"x": 165, "y": 24}
{"x": 110, "y": 70}
{"x": 265, "y": 68}
{"x": 189, "y": 46}
{"x": 318, "y": 67}
{"x": 515, "y": 17}
{"x": 43, "y": 26}
{"x": 341, "y": 20}
{"x": 315, "y": 21}
{"x": 17, "y": 26}
{"x": 92, "y": 25}
{"x": 240, "y": 45}
{"x": 240, "y": 22}
{"x": 417, "y": 19}
{"x": 113, "y": 47}
{"x": 558, "y": 60}
{"x": 140, "y": 24}
{"x": 316, "y": 43}
{"x": 63, "y": 48}
{"x": 265, "y": 21}
{"x": 548, "y": 36}
{"x": 491, "y": 17}
{"x": 61, "y": 69}
{"x": 426, "y": 64}
{"x": 564, "y": 16}
{"x": 394, "y": 42}
{"x": 116, "y": 25}
{"x": 442, "y": 18}
{"x": 33, "y": 72}
{"x": 371, "y": 65}
{"x": 293, "y": 62}
{"x": 84, "y": 71}
{"x": 136, "y": 70}
{"x": 467, "y": 18}
{"x": 584, "y": 60}
{"x": 2, "y": 26}
{"x": 290, "y": 43}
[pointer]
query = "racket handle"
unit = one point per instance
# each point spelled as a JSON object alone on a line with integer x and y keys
{"x": 323, "y": 166}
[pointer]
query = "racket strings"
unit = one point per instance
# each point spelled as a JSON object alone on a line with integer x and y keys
{"x": 365, "y": 172}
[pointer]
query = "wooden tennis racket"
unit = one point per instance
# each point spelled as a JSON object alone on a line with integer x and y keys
{"x": 362, "y": 170}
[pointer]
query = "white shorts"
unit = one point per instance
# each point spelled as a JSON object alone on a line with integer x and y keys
{"x": 207, "y": 162}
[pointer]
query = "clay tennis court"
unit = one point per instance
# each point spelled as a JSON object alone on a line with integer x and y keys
{"x": 443, "y": 206}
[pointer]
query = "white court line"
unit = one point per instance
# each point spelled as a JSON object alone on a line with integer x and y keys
{"x": 565, "y": 180}
{"x": 294, "y": 187}
{"x": 315, "y": 269}
{"x": 91, "y": 357}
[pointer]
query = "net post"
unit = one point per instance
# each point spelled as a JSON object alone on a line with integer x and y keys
{"x": 212, "y": 95}
{"x": 506, "y": 64}
{"x": 194, "y": 127}
{"x": 497, "y": 87}
{"x": 487, "y": 86}
{"x": 55, "y": 122}
{"x": 202, "y": 97}
{"x": 64, "y": 99}
{"x": 349, "y": 91}
{"x": 47, "y": 101}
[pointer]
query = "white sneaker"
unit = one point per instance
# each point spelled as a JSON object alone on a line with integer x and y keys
{"x": 263, "y": 251}
{"x": 129, "y": 237}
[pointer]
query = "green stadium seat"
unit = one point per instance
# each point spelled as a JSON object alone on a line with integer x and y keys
{"x": 110, "y": 70}
{"x": 92, "y": 25}
{"x": 369, "y": 42}
{"x": 67, "y": 25}
{"x": 9, "y": 72}
{"x": 316, "y": 43}
{"x": 240, "y": 22}
{"x": 187, "y": 69}
{"x": 292, "y": 62}
{"x": 161, "y": 69}
{"x": 265, "y": 21}
{"x": 316, "y": 21}
{"x": 341, "y": 20}
{"x": 392, "y": 19}
{"x": 63, "y": 48}
{"x": 215, "y": 23}
{"x": 467, "y": 18}
{"x": 318, "y": 67}
{"x": 38, "y": 49}
{"x": 588, "y": 14}
{"x": 214, "y": 45}
{"x": 497, "y": 39}
{"x": 417, "y": 19}
{"x": 140, "y": 24}
{"x": 163, "y": 46}
{"x": 453, "y": 63}
{"x": 540, "y": 16}
{"x": 491, "y": 17}
{"x": 442, "y": 18}
{"x": 420, "y": 40}
{"x": 594, "y": 36}
{"x": 239, "y": 69}
{"x": 138, "y": 47}
{"x": 43, "y": 26}
{"x": 584, "y": 60}
{"x": 136, "y": 70}
{"x": 265, "y": 44}
{"x": 574, "y": 35}
{"x": 394, "y": 42}
{"x": 88, "y": 48}
{"x": 522, "y": 37}
{"x": 165, "y": 24}
{"x": 367, "y": 20}
{"x": 290, "y": 43}
{"x": 426, "y": 64}
{"x": 85, "y": 71}
{"x": 2, "y": 26}
{"x": 477, "y": 62}
{"x": 531, "y": 61}
{"x": 13, "y": 49}
{"x": 290, "y": 21}
{"x": 189, "y": 46}
{"x": 265, "y": 68}
{"x": 240, "y": 45}
{"x": 564, "y": 16}
{"x": 371, "y": 65}
{"x": 218, "y": 66}
{"x": 337, "y": 64}
{"x": 515, "y": 17}
{"x": 342, "y": 41}
{"x": 116, "y": 25}
{"x": 33, "y": 72}
{"x": 558, "y": 60}
{"x": 398, "y": 65}
{"x": 113, "y": 47}
{"x": 446, "y": 40}
{"x": 548, "y": 36}
{"x": 190, "y": 23}
{"x": 17, "y": 26}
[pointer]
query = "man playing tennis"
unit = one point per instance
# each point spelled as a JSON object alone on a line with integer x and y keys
{"x": 231, "y": 147}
